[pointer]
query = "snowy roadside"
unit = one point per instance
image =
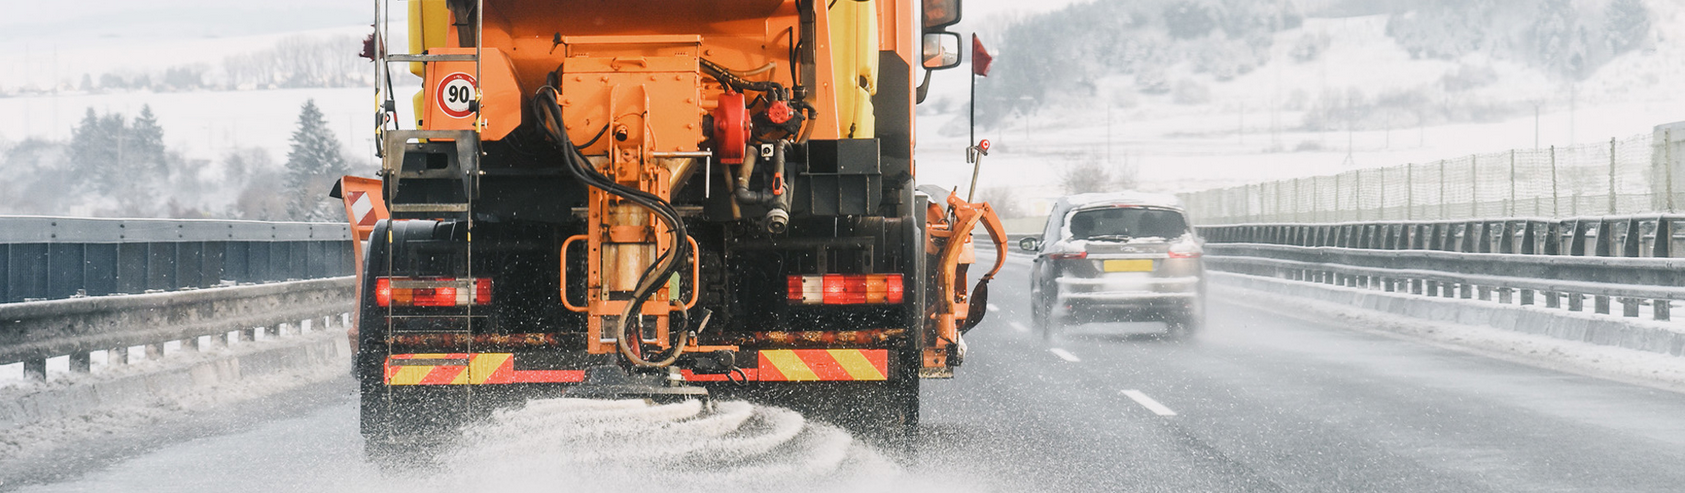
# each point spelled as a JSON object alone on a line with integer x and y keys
{"x": 39, "y": 418}
{"x": 1650, "y": 369}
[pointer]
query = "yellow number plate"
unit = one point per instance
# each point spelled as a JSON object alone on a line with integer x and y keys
{"x": 1132, "y": 265}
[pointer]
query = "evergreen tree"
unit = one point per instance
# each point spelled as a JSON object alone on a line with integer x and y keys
{"x": 146, "y": 148}
{"x": 121, "y": 161}
{"x": 95, "y": 150}
{"x": 313, "y": 163}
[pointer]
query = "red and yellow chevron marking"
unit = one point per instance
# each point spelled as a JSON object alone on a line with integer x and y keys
{"x": 812, "y": 365}
{"x": 468, "y": 369}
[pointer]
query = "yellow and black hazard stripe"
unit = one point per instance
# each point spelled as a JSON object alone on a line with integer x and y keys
{"x": 468, "y": 369}
{"x": 812, "y": 365}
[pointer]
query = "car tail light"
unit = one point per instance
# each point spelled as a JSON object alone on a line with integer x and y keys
{"x": 437, "y": 291}
{"x": 846, "y": 289}
{"x": 1069, "y": 256}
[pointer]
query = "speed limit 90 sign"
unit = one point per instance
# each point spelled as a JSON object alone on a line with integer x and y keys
{"x": 454, "y": 94}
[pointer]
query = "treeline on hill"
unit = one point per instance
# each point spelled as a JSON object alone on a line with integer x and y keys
{"x": 293, "y": 62}
{"x": 116, "y": 166}
{"x": 1058, "y": 58}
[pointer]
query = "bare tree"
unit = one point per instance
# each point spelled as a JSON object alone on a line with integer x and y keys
{"x": 1003, "y": 200}
{"x": 1092, "y": 175}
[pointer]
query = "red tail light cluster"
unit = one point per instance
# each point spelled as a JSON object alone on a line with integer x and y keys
{"x": 437, "y": 291}
{"x": 1069, "y": 256}
{"x": 847, "y": 289}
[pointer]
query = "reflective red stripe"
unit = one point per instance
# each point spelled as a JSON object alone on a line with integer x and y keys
{"x": 547, "y": 376}
{"x": 824, "y": 366}
{"x": 768, "y": 371}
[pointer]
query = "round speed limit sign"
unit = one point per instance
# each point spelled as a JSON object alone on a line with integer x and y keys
{"x": 454, "y": 94}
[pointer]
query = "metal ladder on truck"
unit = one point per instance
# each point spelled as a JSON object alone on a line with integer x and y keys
{"x": 438, "y": 171}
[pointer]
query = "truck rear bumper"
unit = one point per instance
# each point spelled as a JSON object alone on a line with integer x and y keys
{"x": 772, "y": 365}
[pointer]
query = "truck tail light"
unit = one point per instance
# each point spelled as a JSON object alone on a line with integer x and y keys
{"x": 847, "y": 289}
{"x": 436, "y": 291}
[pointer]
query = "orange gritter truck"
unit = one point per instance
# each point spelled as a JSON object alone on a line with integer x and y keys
{"x": 658, "y": 199}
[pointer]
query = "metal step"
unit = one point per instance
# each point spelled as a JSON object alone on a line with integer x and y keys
{"x": 429, "y": 208}
{"x": 406, "y": 58}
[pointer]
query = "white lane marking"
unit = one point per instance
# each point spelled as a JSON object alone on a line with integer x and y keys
{"x": 1019, "y": 327}
{"x": 993, "y": 307}
{"x": 1149, "y": 403}
{"x": 1065, "y": 355}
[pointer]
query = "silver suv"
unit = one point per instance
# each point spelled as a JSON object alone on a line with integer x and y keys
{"x": 1117, "y": 257}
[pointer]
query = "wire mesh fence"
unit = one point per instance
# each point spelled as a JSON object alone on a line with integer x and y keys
{"x": 1636, "y": 175}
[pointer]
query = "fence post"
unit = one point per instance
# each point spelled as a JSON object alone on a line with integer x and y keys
{"x": 1444, "y": 205}
{"x": 1409, "y": 190}
{"x": 1474, "y": 185}
{"x": 1315, "y": 192}
{"x": 1512, "y": 182}
{"x": 1278, "y": 215}
{"x": 1611, "y": 177}
{"x": 1357, "y": 193}
{"x": 1296, "y": 216}
{"x": 1555, "y": 199}
{"x": 1337, "y": 216}
{"x": 1667, "y": 164}
{"x": 1381, "y": 200}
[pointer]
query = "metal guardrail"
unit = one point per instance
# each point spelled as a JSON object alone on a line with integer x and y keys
{"x": 43, "y": 258}
{"x": 33, "y": 332}
{"x": 1633, "y": 259}
{"x": 183, "y": 280}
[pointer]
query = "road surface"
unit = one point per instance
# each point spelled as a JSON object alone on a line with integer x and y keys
{"x": 1256, "y": 402}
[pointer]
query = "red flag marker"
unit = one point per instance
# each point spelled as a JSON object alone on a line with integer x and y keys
{"x": 980, "y": 57}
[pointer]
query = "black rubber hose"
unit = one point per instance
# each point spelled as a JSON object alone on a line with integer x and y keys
{"x": 719, "y": 73}
{"x": 577, "y": 165}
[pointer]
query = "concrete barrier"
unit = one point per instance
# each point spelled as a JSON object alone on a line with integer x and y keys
{"x": 1605, "y": 330}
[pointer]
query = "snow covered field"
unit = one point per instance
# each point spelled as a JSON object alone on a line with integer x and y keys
{"x": 1244, "y": 133}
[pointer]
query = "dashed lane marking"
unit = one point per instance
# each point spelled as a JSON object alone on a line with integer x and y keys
{"x": 1065, "y": 355}
{"x": 1148, "y": 402}
{"x": 1019, "y": 327}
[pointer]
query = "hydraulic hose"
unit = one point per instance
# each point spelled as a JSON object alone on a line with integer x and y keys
{"x": 729, "y": 78}
{"x": 549, "y": 113}
{"x": 741, "y": 192}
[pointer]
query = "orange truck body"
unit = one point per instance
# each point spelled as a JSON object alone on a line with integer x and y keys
{"x": 590, "y": 182}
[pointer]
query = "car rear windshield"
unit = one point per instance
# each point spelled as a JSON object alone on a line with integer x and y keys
{"x": 1127, "y": 222}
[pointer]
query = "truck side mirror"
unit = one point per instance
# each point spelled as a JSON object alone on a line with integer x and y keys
{"x": 940, "y": 13}
{"x": 1030, "y": 244}
{"x": 941, "y": 51}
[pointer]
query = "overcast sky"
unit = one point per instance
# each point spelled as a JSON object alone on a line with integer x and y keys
{"x": 126, "y": 20}
{"x": 120, "y": 20}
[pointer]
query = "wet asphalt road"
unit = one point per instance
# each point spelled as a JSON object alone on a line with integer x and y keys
{"x": 1267, "y": 403}
{"x": 1256, "y": 402}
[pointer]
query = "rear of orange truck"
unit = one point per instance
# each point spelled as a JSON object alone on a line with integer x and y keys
{"x": 658, "y": 199}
